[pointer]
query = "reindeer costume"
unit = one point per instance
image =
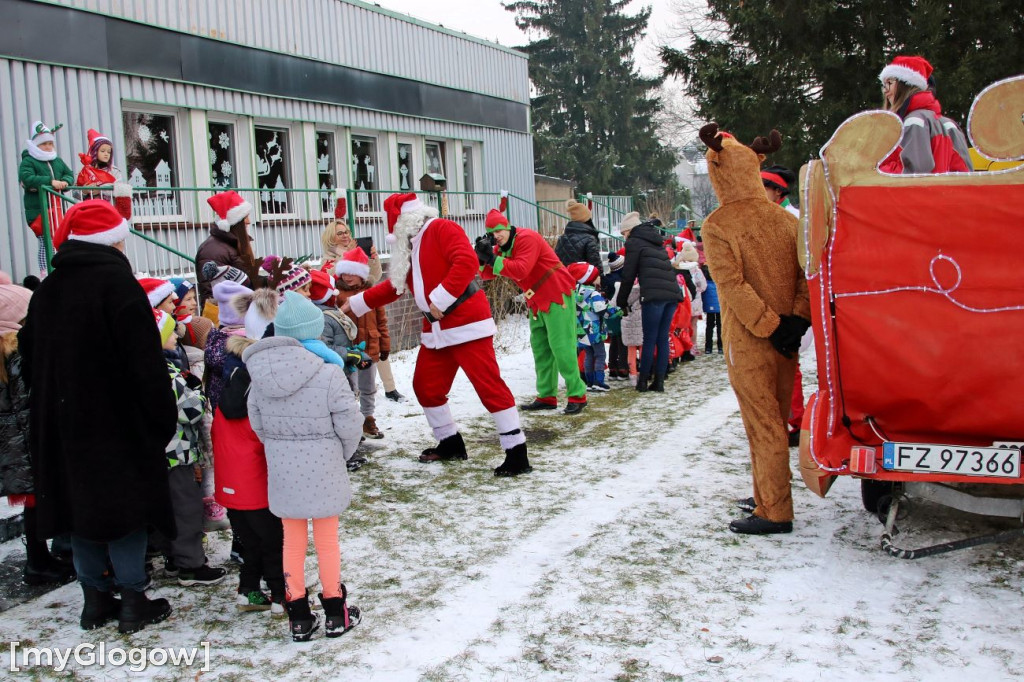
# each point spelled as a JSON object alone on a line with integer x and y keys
{"x": 750, "y": 245}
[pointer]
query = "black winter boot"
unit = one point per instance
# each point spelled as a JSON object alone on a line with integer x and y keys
{"x": 452, "y": 447}
{"x": 100, "y": 608}
{"x": 301, "y": 620}
{"x": 138, "y": 611}
{"x": 658, "y": 384}
{"x": 516, "y": 462}
{"x": 340, "y": 617}
{"x": 641, "y": 382}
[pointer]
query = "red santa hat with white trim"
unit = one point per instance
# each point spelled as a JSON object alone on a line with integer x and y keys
{"x": 157, "y": 290}
{"x": 94, "y": 221}
{"x": 322, "y": 289}
{"x": 397, "y": 204}
{"x": 340, "y": 205}
{"x": 910, "y": 70}
{"x": 353, "y": 262}
{"x": 584, "y": 273}
{"x": 230, "y": 208}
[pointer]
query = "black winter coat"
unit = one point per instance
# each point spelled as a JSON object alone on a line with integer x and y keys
{"x": 15, "y": 468}
{"x": 579, "y": 244}
{"x": 97, "y": 431}
{"x": 647, "y": 259}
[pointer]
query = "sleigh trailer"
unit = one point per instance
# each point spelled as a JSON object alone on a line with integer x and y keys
{"x": 917, "y": 300}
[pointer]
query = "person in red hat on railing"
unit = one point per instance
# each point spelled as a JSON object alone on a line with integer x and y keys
{"x": 434, "y": 261}
{"x": 528, "y": 260}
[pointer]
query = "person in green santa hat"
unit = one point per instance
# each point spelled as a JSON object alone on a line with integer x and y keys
{"x": 527, "y": 259}
{"x": 41, "y": 167}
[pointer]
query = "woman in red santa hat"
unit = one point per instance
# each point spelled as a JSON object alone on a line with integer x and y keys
{"x": 931, "y": 143}
{"x": 229, "y": 242}
{"x": 434, "y": 260}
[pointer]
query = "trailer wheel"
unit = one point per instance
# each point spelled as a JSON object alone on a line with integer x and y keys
{"x": 872, "y": 494}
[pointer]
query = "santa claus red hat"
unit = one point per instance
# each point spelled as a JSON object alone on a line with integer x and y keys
{"x": 94, "y": 221}
{"x": 910, "y": 70}
{"x": 584, "y": 273}
{"x": 230, "y": 208}
{"x": 496, "y": 220}
{"x": 156, "y": 289}
{"x": 397, "y": 204}
{"x": 353, "y": 262}
{"x": 322, "y": 289}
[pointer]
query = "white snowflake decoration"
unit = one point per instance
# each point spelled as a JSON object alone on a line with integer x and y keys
{"x": 213, "y": 157}
{"x": 145, "y": 134}
{"x": 226, "y": 169}
{"x": 224, "y": 141}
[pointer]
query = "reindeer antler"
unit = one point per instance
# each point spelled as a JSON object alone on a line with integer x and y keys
{"x": 767, "y": 145}
{"x": 710, "y": 136}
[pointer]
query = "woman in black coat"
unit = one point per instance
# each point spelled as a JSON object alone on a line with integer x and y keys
{"x": 647, "y": 260}
{"x": 101, "y": 415}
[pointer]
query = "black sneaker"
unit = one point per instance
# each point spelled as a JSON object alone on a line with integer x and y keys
{"x": 395, "y": 396}
{"x": 204, "y": 575}
{"x": 574, "y": 408}
{"x": 538, "y": 404}
{"x": 355, "y": 463}
{"x": 746, "y": 504}
{"x": 755, "y": 525}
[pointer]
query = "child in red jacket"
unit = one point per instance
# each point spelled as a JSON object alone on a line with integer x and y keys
{"x": 240, "y": 472}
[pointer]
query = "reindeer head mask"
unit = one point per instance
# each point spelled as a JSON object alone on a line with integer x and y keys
{"x": 734, "y": 168}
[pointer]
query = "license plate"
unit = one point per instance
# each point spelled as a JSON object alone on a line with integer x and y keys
{"x": 998, "y": 462}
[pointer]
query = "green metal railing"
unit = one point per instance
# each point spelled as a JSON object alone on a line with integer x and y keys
{"x": 171, "y": 222}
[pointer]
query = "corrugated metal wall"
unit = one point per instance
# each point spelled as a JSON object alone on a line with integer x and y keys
{"x": 83, "y": 99}
{"x": 339, "y": 32}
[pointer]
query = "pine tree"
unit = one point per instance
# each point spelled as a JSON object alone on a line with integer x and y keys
{"x": 804, "y": 67}
{"x": 593, "y": 114}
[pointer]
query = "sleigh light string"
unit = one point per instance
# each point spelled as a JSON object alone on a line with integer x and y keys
{"x": 937, "y": 289}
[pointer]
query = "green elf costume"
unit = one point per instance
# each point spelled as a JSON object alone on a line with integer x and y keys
{"x": 529, "y": 261}
{"x": 40, "y": 168}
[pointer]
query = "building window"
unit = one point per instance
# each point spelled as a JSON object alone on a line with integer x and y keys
{"x": 435, "y": 157}
{"x": 222, "y": 154}
{"x": 325, "y": 164}
{"x": 468, "y": 169}
{"x": 272, "y": 173}
{"x": 149, "y": 144}
{"x": 364, "y": 171}
{"x": 406, "y": 174}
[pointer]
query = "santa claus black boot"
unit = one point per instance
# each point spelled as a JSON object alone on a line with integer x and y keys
{"x": 452, "y": 447}
{"x": 516, "y": 462}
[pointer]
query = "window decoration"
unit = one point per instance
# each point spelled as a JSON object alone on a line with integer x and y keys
{"x": 325, "y": 164}
{"x": 272, "y": 172}
{"x": 406, "y": 175}
{"x": 364, "y": 171}
{"x": 222, "y": 154}
{"x": 149, "y": 152}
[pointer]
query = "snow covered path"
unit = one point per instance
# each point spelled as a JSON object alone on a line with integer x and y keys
{"x": 611, "y": 561}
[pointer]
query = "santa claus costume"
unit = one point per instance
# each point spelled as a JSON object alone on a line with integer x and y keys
{"x": 433, "y": 259}
{"x": 531, "y": 263}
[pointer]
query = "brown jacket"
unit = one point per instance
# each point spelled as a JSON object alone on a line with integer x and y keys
{"x": 373, "y": 326}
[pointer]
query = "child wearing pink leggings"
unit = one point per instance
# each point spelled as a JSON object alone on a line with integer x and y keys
{"x": 303, "y": 410}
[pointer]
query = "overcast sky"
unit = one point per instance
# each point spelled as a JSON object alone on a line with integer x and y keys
{"x": 487, "y": 19}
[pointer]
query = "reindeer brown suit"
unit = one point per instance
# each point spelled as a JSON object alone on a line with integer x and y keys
{"x": 750, "y": 245}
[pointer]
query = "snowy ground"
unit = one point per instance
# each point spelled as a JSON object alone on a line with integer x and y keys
{"x": 611, "y": 561}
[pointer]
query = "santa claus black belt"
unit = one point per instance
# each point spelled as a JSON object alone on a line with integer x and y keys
{"x": 470, "y": 290}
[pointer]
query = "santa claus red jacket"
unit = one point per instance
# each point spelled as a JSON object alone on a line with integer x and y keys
{"x": 443, "y": 266}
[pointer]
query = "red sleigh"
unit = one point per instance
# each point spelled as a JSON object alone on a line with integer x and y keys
{"x": 917, "y": 299}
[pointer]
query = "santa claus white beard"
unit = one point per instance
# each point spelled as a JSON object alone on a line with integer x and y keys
{"x": 407, "y": 226}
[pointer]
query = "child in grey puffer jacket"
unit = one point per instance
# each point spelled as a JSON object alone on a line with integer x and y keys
{"x": 302, "y": 409}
